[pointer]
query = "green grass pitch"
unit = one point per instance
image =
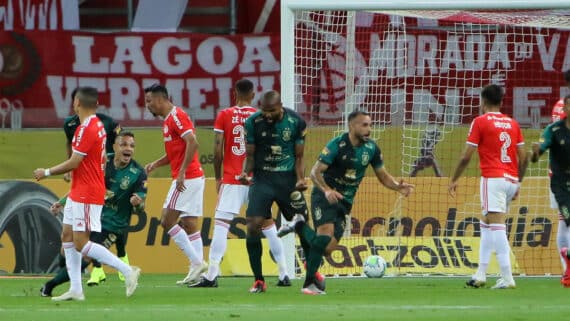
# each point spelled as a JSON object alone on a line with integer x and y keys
{"x": 401, "y": 298}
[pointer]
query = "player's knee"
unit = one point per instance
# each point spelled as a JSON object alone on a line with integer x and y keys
{"x": 254, "y": 225}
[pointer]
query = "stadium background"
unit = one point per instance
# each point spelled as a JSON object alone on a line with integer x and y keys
{"x": 42, "y": 62}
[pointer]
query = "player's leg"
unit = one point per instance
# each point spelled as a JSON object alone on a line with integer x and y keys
{"x": 190, "y": 204}
{"x": 81, "y": 233}
{"x": 61, "y": 277}
{"x": 500, "y": 192}
{"x": 72, "y": 256}
{"x": 120, "y": 245}
{"x": 230, "y": 200}
{"x": 107, "y": 239}
{"x": 276, "y": 247}
{"x": 479, "y": 279}
{"x": 261, "y": 196}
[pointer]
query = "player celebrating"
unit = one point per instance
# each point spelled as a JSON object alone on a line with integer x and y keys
{"x": 82, "y": 212}
{"x": 229, "y": 147}
{"x": 499, "y": 142}
{"x": 112, "y": 128}
{"x": 125, "y": 180}
{"x": 555, "y": 138}
{"x": 185, "y": 197}
{"x": 274, "y": 153}
{"x": 336, "y": 176}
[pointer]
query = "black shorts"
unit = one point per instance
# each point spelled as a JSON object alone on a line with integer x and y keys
{"x": 105, "y": 238}
{"x": 560, "y": 187}
{"x": 278, "y": 188}
{"x": 324, "y": 212}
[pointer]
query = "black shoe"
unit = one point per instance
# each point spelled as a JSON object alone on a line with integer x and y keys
{"x": 475, "y": 284}
{"x": 284, "y": 282}
{"x": 205, "y": 283}
{"x": 45, "y": 291}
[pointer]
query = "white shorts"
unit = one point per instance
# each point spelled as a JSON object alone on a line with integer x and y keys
{"x": 553, "y": 202}
{"x": 191, "y": 201}
{"x": 81, "y": 216}
{"x": 497, "y": 194}
{"x": 230, "y": 200}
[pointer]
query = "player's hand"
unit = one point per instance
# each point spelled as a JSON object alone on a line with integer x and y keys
{"x": 56, "y": 208}
{"x": 244, "y": 179}
{"x": 218, "y": 185}
{"x": 149, "y": 167}
{"x": 301, "y": 185}
{"x": 67, "y": 177}
{"x": 136, "y": 200}
{"x": 405, "y": 188}
{"x": 452, "y": 189}
{"x": 180, "y": 183}
{"x": 535, "y": 152}
{"x": 333, "y": 196}
{"x": 39, "y": 174}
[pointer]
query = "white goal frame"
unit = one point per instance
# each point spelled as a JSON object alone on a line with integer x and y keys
{"x": 288, "y": 8}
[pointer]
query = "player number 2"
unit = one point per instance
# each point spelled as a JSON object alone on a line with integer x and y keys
{"x": 238, "y": 149}
{"x": 506, "y": 139}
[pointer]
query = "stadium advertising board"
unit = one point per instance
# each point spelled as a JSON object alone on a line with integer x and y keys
{"x": 443, "y": 72}
{"x": 439, "y": 237}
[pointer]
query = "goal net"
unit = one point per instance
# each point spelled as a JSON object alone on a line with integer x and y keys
{"x": 419, "y": 74}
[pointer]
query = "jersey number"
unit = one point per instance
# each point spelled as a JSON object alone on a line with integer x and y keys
{"x": 238, "y": 149}
{"x": 506, "y": 139}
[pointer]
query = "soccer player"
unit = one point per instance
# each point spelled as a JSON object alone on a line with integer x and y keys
{"x": 82, "y": 212}
{"x": 563, "y": 233}
{"x": 499, "y": 142}
{"x": 112, "y": 128}
{"x": 275, "y": 138}
{"x": 229, "y": 148}
{"x": 336, "y": 176}
{"x": 186, "y": 195}
{"x": 427, "y": 156}
{"x": 125, "y": 181}
{"x": 555, "y": 138}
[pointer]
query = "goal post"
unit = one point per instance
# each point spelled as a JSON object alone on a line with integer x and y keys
{"x": 417, "y": 67}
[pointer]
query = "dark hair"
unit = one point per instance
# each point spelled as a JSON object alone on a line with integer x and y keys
{"x": 492, "y": 95}
{"x": 73, "y": 93}
{"x": 157, "y": 89}
{"x": 566, "y": 98}
{"x": 87, "y": 96}
{"x": 126, "y": 133}
{"x": 244, "y": 87}
{"x": 567, "y": 76}
{"x": 357, "y": 113}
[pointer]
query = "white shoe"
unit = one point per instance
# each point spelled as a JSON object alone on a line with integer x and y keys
{"x": 312, "y": 289}
{"x": 68, "y": 296}
{"x": 502, "y": 284}
{"x": 194, "y": 274}
{"x": 132, "y": 280}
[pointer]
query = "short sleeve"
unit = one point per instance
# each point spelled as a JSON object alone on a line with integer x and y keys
{"x": 329, "y": 152}
{"x": 474, "y": 136}
{"x": 377, "y": 160}
{"x": 249, "y": 130}
{"x": 546, "y": 139}
{"x": 302, "y": 131}
{"x": 520, "y": 137}
{"x": 84, "y": 139}
{"x": 182, "y": 123}
{"x": 219, "y": 122}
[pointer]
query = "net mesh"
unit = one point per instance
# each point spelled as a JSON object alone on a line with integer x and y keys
{"x": 419, "y": 75}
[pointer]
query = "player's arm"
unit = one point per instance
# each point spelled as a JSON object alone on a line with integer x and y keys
{"x": 466, "y": 156}
{"x": 138, "y": 195}
{"x": 248, "y": 164}
{"x": 189, "y": 152}
{"x": 317, "y": 171}
{"x": 538, "y": 148}
{"x": 390, "y": 182}
{"x": 163, "y": 160}
{"x": 218, "y": 156}
{"x": 523, "y": 159}
{"x": 301, "y": 184}
{"x": 64, "y": 167}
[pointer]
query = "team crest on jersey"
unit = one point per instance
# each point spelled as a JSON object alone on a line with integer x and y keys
{"x": 286, "y": 134}
{"x": 318, "y": 213}
{"x": 125, "y": 182}
{"x": 365, "y": 159}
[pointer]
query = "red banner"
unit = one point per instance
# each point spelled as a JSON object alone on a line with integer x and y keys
{"x": 40, "y": 69}
{"x": 437, "y": 81}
